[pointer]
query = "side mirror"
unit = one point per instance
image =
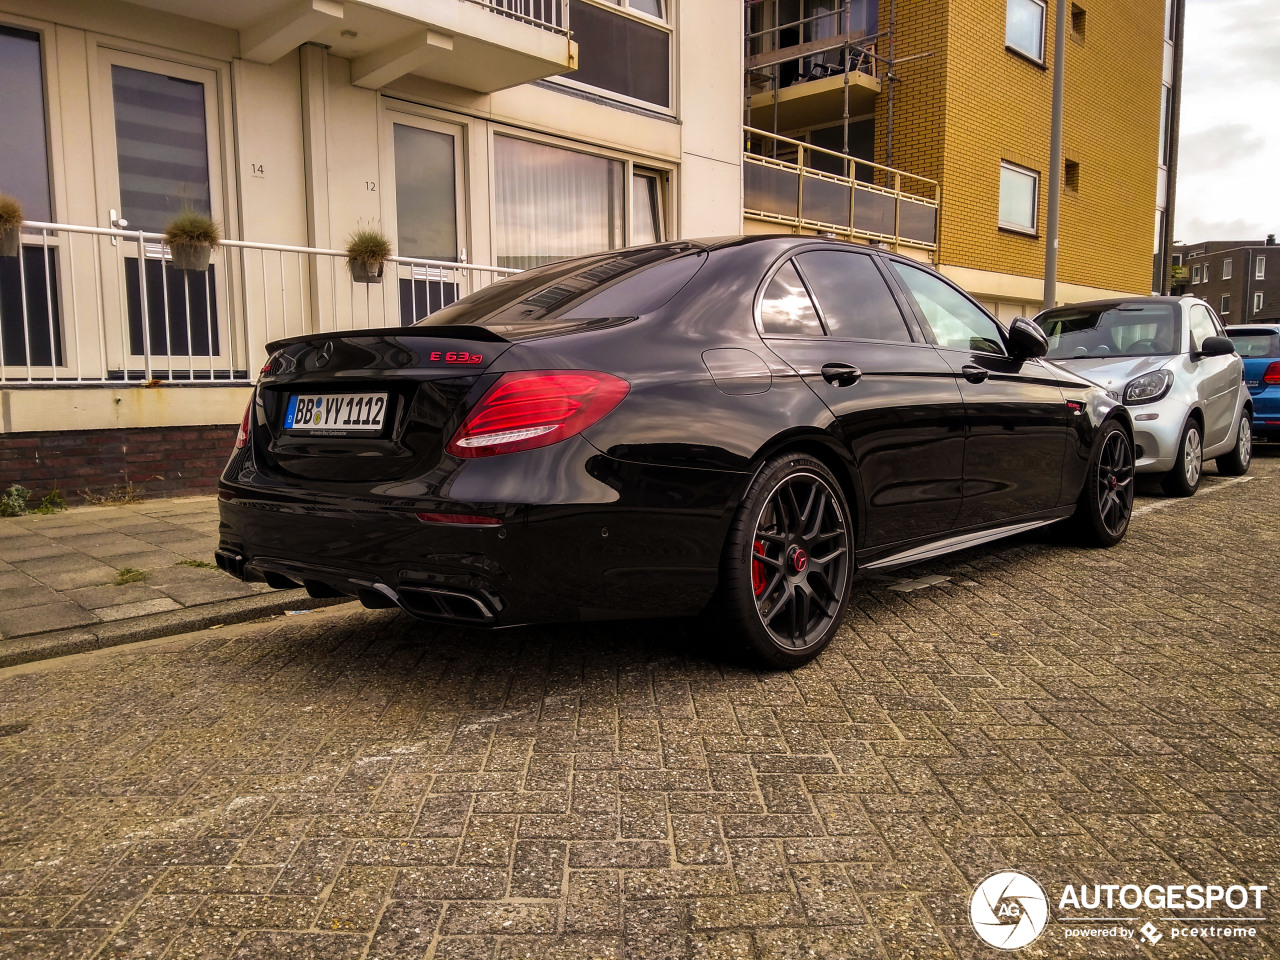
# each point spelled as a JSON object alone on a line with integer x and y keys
{"x": 1026, "y": 340}
{"x": 1216, "y": 347}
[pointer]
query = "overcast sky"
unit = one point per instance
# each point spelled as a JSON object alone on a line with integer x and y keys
{"x": 1229, "y": 153}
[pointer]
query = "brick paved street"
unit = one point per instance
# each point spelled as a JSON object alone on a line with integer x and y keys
{"x": 349, "y": 784}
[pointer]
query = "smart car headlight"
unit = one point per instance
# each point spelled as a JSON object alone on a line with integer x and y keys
{"x": 1148, "y": 388}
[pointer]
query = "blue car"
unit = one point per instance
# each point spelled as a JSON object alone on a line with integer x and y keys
{"x": 1259, "y": 346}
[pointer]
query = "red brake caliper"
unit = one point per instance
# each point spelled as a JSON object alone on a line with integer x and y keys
{"x": 759, "y": 580}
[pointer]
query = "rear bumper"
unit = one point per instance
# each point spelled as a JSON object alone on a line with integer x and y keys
{"x": 544, "y": 563}
{"x": 1266, "y": 414}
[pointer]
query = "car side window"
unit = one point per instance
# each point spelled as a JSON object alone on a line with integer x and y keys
{"x": 786, "y": 309}
{"x": 854, "y": 299}
{"x": 1201, "y": 325}
{"x": 957, "y": 324}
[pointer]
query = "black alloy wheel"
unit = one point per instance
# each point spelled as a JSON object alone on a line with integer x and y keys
{"x": 789, "y": 561}
{"x": 1106, "y": 502}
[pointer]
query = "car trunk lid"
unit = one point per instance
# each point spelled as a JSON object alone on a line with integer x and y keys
{"x": 1255, "y": 369}
{"x": 368, "y": 406}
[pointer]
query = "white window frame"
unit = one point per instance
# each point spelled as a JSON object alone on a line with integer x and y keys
{"x": 1225, "y": 304}
{"x": 1035, "y": 200}
{"x": 1257, "y": 300}
{"x": 1177, "y": 259}
{"x": 660, "y": 179}
{"x": 668, "y": 186}
{"x": 1195, "y": 273}
{"x": 1226, "y": 269}
{"x": 1044, "y": 22}
{"x": 621, "y": 7}
{"x": 1260, "y": 267}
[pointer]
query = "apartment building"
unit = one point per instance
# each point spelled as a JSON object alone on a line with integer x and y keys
{"x": 1238, "y": 278}
{"x": 959, "y": 93}
{"x": 480, "y": 136}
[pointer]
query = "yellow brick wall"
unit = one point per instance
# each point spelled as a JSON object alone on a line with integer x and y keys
{"x": 972, "y": 103}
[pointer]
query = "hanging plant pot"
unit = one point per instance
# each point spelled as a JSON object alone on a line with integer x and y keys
{"x": 190, "y": 256}
{"x": 362, "y": 271}
{"x": 10, "y": 240}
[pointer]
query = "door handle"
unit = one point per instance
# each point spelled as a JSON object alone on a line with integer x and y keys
{"x": 974, "y": 373}
{"x": 841, "y": 374}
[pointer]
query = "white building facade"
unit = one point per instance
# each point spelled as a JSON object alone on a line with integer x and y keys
{"x": 474, "y": 133}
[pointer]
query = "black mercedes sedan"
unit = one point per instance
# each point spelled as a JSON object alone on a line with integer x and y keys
{"x": 737, "y": 425}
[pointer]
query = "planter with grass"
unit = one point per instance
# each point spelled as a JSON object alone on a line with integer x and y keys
{"x": 10, "y": 226}
{"x": 367, "y": 252}
{"x": 191, "y": 238}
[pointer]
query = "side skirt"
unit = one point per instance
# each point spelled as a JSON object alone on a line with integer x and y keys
{"x": 962, "y": 541}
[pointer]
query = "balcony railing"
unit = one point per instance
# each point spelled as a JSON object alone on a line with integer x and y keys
{"x": 796, "y": 184}
{"x": 826, "y": 44}
{"x": 94, "y": 305}
{"x": 550, "y": 15}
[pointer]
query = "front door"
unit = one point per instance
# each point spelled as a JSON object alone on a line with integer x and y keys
{"x": 159, "y": 157}
{"x": 832, "y": 317}
{"x": 1219, "y": 380}
{"x": 1017, "y": 416}
{"x": 427, "y": 161}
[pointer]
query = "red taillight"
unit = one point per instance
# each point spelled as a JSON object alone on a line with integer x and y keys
{"x": 242, "y": 438}
{"x": 461, "y": 519}
{"x": 534, "y": 409}
{"x": 1272, "y": 376}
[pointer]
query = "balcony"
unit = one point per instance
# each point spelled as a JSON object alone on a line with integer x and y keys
{"x": 805, "y": 188}
{"x": 480, "y": 45}
{"x": 817, "y": 93}
{"x": 804, "y": 73}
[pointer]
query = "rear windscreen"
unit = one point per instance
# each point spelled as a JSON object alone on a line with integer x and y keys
{"x": 1260, "y": 344}
{"x": 629, "y": 283}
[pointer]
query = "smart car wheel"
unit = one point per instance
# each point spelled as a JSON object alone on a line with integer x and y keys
{"x": 1106, "y": 502}
{"x": 1236, "y": 463}
{"x": 788, "y": 562}
{"x": 1184, "y": 478}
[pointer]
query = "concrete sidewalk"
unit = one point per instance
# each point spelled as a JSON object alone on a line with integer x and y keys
{"x": 101, "y": 575}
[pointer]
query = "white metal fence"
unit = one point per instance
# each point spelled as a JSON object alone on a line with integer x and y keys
{"x": 95, "y": 305}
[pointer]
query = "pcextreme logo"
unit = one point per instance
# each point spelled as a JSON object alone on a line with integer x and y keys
{"x": 1010, "y": 910}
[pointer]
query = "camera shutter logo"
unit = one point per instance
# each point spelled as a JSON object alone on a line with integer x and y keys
{"x": 1008, "y": 910}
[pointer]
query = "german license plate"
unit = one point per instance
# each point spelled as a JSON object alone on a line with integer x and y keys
{"x": 336, "y": 413}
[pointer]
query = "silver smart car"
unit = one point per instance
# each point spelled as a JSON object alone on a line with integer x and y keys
{"x": 1169, "y": 361}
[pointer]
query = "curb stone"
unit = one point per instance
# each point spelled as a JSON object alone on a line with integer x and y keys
{"x": 61, "y": 643}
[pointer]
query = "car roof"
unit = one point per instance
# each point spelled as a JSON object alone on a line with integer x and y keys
{"x": 1116, "y": 302}
{"x": 715, "y": 243}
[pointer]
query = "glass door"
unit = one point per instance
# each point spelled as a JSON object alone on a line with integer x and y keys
{"x": 426, "y": 157}
{"x": 162, "y": 160}
{"x": 31, "y": 334}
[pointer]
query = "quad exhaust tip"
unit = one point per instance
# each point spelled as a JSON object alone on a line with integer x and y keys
{"x": 422, "y": 600}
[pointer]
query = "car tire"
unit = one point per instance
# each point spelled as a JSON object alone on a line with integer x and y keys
{"x": 1184, "y": 478}
{"x": 1236, "y": 463}
{"x": 1105, "y": 506}
{"x": 788, "y": 563}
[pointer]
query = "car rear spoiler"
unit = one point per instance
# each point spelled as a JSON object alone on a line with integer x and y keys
{"x": 458, "y": 332}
